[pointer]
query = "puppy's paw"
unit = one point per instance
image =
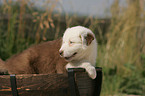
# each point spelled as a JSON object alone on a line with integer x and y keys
{"x": 91, "y": 72}
{"x": 69, "y": 66}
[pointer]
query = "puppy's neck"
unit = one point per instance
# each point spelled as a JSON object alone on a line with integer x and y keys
{"x": 89, "y": 55}
{"x": 92, "y": 50}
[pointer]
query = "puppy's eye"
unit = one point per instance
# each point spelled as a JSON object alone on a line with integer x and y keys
{"x": 71, "y": 42}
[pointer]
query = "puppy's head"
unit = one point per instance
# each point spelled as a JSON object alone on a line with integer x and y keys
{"x": 75, "y": 41}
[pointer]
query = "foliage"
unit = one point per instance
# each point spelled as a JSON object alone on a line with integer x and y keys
{"x": 121, "y": 56}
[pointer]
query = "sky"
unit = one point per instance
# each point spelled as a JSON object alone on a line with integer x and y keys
{"x": 95, "y": 8}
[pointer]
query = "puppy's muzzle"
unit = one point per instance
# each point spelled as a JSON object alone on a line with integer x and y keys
{"x": 61, "y": 53}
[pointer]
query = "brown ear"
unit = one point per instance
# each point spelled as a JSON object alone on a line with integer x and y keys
{"x": 89, "y": 38}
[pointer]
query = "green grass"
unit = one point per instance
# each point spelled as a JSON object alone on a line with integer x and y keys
{"x": 121, "y": 43}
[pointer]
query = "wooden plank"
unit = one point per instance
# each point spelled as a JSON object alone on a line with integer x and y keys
{"x": 52, "y": 84}
{"x": 35, "y": 84}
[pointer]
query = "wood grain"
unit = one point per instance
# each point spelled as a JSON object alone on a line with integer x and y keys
{"x": 52, "y": 84}
{"x": 35, "y": 84}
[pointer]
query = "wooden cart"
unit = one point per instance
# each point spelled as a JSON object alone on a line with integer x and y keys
{"x": 75, "y": 83}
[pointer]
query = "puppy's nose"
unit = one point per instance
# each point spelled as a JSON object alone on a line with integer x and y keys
{"x": 61, "y": 53}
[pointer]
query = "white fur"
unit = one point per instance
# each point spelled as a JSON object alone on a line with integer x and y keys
{"x": 86, "y": 54}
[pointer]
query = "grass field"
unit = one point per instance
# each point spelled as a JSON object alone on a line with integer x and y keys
{"x": 121, "y": 44}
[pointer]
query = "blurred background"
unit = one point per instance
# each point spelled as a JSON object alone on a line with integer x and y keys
{"x": 119, "y": 26}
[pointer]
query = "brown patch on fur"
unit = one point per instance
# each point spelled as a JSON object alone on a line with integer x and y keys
{"x": 3, "y": 70}
{"x": 38, "y": 59}
{"x": 89, "y": 38}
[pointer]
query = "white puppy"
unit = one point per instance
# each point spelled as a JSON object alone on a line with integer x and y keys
{"x": 79, "y": 48}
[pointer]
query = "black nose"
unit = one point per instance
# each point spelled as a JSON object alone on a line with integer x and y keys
{"x": 61, "y": 53}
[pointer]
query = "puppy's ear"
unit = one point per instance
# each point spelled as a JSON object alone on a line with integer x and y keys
{"x": 87, "y": 39}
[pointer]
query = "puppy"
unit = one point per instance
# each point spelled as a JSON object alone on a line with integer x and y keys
{"x": 39, "y": 59}
{"x": 79, "y": 48}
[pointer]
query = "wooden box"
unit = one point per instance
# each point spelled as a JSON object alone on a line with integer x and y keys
{"x": 75, "y": 83}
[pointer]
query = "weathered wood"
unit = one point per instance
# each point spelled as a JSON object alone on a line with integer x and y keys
{"x": 51, "y": 84}
{"x": 35, "y": 84}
